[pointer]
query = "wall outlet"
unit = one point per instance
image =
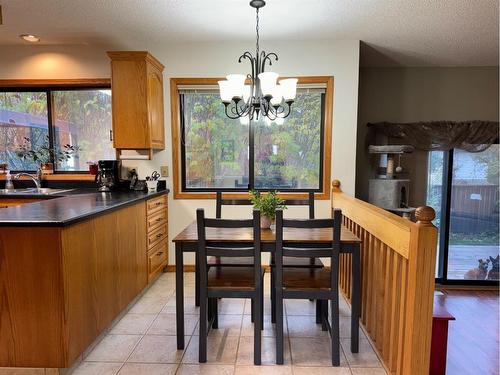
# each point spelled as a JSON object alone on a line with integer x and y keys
{"x": 164, "y": 171}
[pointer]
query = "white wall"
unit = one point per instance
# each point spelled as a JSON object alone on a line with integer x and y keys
{"x": 337, "y": 58}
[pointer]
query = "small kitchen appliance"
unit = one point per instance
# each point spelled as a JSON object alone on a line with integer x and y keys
{"x": 108, "y": 175}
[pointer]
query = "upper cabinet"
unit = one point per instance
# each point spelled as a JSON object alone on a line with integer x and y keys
{"x": 137, "y": 87}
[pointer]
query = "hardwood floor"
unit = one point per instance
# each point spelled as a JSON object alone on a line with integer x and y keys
{"x": 473, "y": 343}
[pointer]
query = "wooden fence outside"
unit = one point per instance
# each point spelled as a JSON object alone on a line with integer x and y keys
{"x": 397, "y": 280}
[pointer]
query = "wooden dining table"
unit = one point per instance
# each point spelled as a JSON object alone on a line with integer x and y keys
{"x": 186, "y": 242}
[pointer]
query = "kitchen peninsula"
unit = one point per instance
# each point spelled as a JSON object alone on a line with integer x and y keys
{"x": 69, "y": 265}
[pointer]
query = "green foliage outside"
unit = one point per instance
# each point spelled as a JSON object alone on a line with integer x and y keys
{"x": 82, "y": 120}
{"x": 216, "y": 147}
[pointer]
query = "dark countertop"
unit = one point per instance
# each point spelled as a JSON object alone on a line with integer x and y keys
{"x": 68, "y": 207}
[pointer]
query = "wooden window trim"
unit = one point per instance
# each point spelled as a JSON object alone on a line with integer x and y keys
{"x": 176, "y": 156}
{"x": 58, "y": 83}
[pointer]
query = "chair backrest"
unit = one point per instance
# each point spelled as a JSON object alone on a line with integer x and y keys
{"x": 329, "y": 249}
{"x": 209, "y": 248}
{"x": 246, "y": 202}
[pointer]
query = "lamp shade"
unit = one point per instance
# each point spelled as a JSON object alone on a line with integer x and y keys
{"x": 289, "y": 88}
{"x": 225, "y": 91}
{"x": 247, "y": 92}
{"x": 236, "y": 84}
{"x": 277, "y": 95}
{"x": 268, "y": 82}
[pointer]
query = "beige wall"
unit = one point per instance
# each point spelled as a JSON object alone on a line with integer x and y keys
{"x": 337, "y": 58}
{"x": 420, "y": 94}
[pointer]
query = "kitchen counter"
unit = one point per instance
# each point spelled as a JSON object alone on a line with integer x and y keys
{"x": 71, "y": 264}
{"x": 68, "y": 207}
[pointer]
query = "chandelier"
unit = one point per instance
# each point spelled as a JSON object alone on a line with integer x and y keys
{"x": 264, "y": 95}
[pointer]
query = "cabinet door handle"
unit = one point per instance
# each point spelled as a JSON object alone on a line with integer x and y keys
{"x": 159, "y": 219}
{"x": 111, "y": 135}
{"x": 159, "y": 235}
{"x": 159, "y": 253}
{"x": 158, "y": 204}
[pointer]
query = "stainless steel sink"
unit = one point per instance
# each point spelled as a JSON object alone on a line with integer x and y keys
{"x": 33, "y": 191}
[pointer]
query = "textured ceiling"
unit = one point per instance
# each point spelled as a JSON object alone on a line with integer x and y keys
{"x": 394, "y": 32}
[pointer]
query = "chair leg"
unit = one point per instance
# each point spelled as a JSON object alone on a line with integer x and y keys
{"x": 202, "y": 356}
{"x": 210, "y": 310}
{"x": 273, "y": 297}
{"x": 196, "y": 284}
{"x": 257, "y": 329}
{"x": 252, "y": 316}
{"x": 324, "y": 315}
{"x": 334, "y": 303}
{"x": 318, "y": 311}
{"x": 279, "y": 328}
{"x": 215, "y": 313}
{"x": 262, "y": 307}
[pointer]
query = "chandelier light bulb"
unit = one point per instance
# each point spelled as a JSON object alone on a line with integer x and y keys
{"x": 237, "y": 84}
{"x": 277, "y": 94}
{"x": 268, "y": 82}
{"x": 289, "y": 88}
{"x": 226, "y": 94}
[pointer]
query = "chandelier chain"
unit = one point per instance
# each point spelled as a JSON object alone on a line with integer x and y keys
{"x": 257, "y": 32}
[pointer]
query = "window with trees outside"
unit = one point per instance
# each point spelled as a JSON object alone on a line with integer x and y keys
{"x": 221, "y": 154}
{"x": 55, "y": 118}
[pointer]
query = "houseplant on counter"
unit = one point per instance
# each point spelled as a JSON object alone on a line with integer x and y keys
{"x": 267, "y": 204}
{"x": 44, "y": 155}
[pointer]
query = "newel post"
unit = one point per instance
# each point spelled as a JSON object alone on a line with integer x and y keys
{"x": 420, "y": 293}
{"x": 336, "y": 186}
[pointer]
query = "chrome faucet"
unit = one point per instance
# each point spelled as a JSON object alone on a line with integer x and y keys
{"x": 37, "y": 178}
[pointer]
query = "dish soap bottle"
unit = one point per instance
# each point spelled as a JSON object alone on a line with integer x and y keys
{"x": 8, "y": 182}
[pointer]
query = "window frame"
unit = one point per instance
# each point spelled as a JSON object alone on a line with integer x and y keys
{"x": 48, "y": 86}
{"x": 177, "y": 157}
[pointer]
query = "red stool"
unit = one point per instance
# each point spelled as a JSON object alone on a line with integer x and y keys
{"x": 439, "y": 343}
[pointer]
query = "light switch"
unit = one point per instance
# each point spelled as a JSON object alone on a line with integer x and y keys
{"x": 164, "y": 171}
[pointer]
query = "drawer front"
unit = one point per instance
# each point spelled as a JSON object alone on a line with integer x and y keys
{"x": 156, "y": 204}
{"x": 157, "y": 258}
{"x": 157, "y": 235}
{"x": 156, "y": 220}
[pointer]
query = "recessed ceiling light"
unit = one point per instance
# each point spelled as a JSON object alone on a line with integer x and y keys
{"x": 30, "y": 38}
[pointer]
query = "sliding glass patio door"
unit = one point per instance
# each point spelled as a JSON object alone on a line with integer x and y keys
{"x": 463, "y": 189}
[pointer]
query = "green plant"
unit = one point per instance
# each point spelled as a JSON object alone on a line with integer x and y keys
{"x": 267, "y": 203}
{"x": 45, "y": 154}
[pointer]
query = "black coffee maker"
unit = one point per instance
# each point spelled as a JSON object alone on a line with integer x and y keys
{"x": 108, "y": 174}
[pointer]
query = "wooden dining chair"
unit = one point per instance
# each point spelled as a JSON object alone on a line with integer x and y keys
{"x": 287, "y": 261}
{"x": 229, "y": 281}
{"x": 301, "y": 283}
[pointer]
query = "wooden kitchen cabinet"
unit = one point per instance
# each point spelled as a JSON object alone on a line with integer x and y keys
{"x": 157, "y": 242}
{"x": 137, "y": 99}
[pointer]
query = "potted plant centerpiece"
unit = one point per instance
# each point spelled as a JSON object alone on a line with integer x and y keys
{"x": 267, "y": 204}
{"x": 43, "y": 155}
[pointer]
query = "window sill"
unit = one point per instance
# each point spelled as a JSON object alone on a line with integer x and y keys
{"x": 60, "y": 177}
{"x": 229, "y": 195}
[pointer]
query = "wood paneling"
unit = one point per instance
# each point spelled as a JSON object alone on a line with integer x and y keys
{"x": 176, "y": 156}
{"x": 31, "y": 298}
{"x": 397, "y": 273}
{"x": 61, "y": 288}
{"x": 78, "y": 82}
{"x": 137, "y": 84}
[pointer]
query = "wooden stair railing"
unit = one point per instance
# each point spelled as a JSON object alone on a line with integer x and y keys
{"x": 398, "y": 259}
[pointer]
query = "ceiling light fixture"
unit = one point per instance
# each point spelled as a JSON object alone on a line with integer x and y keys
{"x": 264, "y": 95}
{"x": 29, "y": 38}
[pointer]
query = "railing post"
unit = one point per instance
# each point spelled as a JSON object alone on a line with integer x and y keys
{"x": 420, "y": 293}
{"x": 336, "y": 186}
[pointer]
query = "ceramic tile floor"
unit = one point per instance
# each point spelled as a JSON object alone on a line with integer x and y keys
{"x": 144, "y": 342}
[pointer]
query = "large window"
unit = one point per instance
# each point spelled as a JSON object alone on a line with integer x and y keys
{"x": 218, "y": 153}
{"x": 56, "y": 117}
{"x": 463, "y": 189}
